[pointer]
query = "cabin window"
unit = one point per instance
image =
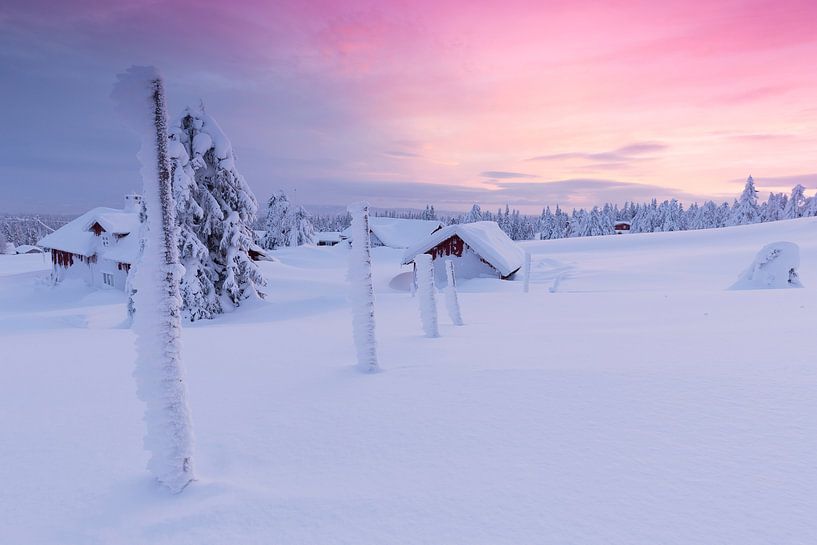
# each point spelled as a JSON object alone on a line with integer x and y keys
{"x": 107, "y": 279}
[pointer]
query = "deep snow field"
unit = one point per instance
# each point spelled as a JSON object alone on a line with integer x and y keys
{"x": 641, "y": 403}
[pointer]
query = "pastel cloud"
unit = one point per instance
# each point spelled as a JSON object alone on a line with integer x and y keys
{"x": 661, "y": 94}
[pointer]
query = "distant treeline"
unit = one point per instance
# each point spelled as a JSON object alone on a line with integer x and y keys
{"x": 653, "y": 216}
{"x": 29, "y": 228}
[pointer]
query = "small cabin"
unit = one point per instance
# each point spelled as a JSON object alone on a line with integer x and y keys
{"x": 622, "y": 227}
{"x": 28, "y": 249}
{"x": 327, "y": 238}
{"x": 479, "y": 249}
{"x": 98, "y": 247}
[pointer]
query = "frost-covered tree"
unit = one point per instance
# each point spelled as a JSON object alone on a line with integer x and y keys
{"x": 429, "y": 213}
{"x": 301, "y": 230}
{"x": 547, "y": 225}
{"x": 579, "y": 223}
{"x": 227, "y": 203}
{"x": 473, "y": 215}
{"x": 451, "y": 300}
{"x": 361, "y": 290}
{"x": 561, "y": 226}
{"x": 278, "y": 224}
{"x": 424, "y": 269}
{"x": 775, "y": 205}
{"x": 198, "y": 290}
{"x": 796, "y": 204}
{"x": 745, "y": 211}
{"x": 810, "y": 208}
{"x": 157, "y": 324}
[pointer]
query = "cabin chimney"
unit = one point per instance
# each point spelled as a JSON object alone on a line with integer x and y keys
{"x": 133, "y": 203}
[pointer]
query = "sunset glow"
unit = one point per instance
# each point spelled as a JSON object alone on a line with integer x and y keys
{"x": 449, "y": 102}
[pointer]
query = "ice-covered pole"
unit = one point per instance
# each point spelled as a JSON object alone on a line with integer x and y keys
{"x": 526, "y": 279}
{"x": 425, "y": 293}
{"x": 451, "y": 300}
{"x": 361, "y": 288}
{"x": 159, "y": 373}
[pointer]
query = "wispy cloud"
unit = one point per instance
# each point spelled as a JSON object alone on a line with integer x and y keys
{"x": 397, "y": 154}
{"x": 505, "y": 174}
{"x": 630, "y": 152}
{"x": 528, "y": 196}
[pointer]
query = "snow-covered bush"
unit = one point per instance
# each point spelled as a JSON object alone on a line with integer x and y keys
{"x": 361, "y": 289}
{"x": 157, "y": 324}
{"x": 424, "y": 267}
{"x": 451, "y": 299}
{"x": 774, "y": 267}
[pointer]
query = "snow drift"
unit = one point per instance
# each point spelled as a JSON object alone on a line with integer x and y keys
{"x": 774, "y": 267}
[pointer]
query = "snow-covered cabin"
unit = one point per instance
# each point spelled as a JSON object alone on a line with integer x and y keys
{"x": 622, "y": 227}
{"x": 479, "y": 249}
{"x": 28, "y": 249}
{"x": 99, "y": 246}
{"x": 327, "y": 238}
{"x": 397, "y": 232}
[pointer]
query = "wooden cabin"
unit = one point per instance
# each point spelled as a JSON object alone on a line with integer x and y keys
{"x": 98, "y": 247}
{"x": 622, "y": 227}
{"x": 479, "y": 249}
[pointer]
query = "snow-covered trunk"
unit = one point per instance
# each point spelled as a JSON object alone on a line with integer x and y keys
{"x": 157, "y": 322}
{"x": 526, "y": 279}
{"x": 425, "y": 292}
{"x": 451, "y": 300}
{"x": 361, "y": 289}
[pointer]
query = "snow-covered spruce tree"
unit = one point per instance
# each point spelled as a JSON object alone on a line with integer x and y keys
{"x": 198, "y": 290}
{"x": 361, "y": 289}
{"x": 796, "y": 203}
{"x": 424, "y": 269}
{"x": 228, "y": 205}
{"x": 157, "y": 323}
{"x": 810, "y": 208}
{"x": 301, "y": 229}
{"x": 745, "y": 210}
{"x": 452, "y": 302}
{"x": 277, "y": 225}
{"x": 473, "y": 215}
{"x": 429, "y": 213}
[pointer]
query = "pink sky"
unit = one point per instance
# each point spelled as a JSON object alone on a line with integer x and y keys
{"x": 689, "y": 96}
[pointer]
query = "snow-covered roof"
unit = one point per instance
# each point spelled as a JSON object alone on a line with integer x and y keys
{"x": 29, "y": 249}
{"x": 399, "y": 232}
{"x": 118, "y": 222}
{"x": 484, "y": 237}
{"x": 76, "y": 238}
{"x": 328, "y": 236}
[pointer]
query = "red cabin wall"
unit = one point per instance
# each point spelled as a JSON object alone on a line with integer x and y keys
{"x": 450, "y": 246}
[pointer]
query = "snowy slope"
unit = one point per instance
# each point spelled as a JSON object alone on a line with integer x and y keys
{"x": 642, "y": 403}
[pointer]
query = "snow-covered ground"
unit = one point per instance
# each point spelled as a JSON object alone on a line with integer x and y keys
{"x": 640, "y": 403}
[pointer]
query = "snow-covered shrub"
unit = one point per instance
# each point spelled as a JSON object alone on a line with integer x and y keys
{"x": 451, "y": 299}
{"x": 774, "y": 267}
{"x": 425, "y": 293}
{"x": 361, "y": 289}
{"x": 157, "y": 324}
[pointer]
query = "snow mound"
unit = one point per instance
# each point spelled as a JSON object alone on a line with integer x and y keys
{"x": 774, "y": 267}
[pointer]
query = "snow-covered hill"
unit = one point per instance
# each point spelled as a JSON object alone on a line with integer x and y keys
{"x": 640, "y": 403}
